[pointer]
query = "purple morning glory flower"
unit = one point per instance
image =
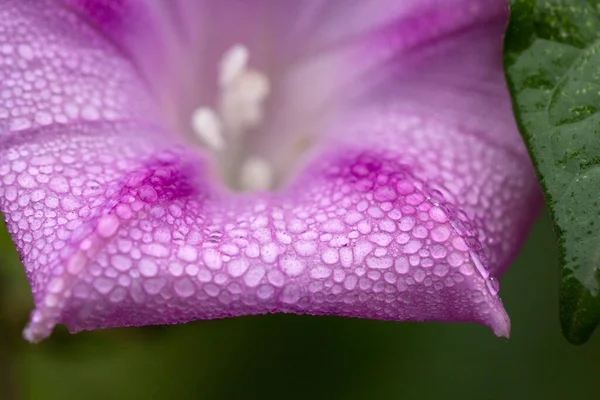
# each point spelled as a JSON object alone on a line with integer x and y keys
{"x": 166, "y": 161}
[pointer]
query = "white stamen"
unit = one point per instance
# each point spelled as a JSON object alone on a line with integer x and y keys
{"x": 208, "y": 127}
{"x": 241, "y": 103}
{"x": 256, "y": 174}
{"x": 239, "y": 108}
{"x": 233, "y": 63}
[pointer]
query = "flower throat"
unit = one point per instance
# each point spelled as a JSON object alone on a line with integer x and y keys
{"x": 224, "y": 129}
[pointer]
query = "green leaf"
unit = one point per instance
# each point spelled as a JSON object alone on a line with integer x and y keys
{"x": 552, "y": 64}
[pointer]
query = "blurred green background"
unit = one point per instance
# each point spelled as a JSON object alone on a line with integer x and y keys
{"x": 299, "y": 357}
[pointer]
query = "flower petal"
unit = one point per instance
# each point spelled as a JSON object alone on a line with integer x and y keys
{"x": 357, "y": 235}
{"x": 55, "y": 69}
{"x": 175, "y": 44}
{"x": 478, "y": 161}
{"x": 407, "y": 210}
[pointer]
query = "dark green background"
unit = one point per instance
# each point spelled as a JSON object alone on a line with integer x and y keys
{"x": 299, "y": 357}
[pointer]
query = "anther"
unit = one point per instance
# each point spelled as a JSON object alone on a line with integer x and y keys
{"x": 241, "y": 103}
{"x": 233, "y": 63}
{"x": 208, "y": 128}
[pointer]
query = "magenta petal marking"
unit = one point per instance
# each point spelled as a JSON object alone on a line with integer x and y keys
{"x": 409, "y": 209}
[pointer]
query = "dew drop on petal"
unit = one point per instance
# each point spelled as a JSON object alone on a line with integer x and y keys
{"x": 148, "y": 194}
{"x": 108, "y": 226}
{"x": 184, "y": 287}
{"x": 493, "y": 285}
{"x": 292, "y": 266}
{"x": 148, "y": 267}
{"x": 290, "y": 294}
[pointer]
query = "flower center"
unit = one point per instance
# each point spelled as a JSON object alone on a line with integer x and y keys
{"x": 223, "y": 129}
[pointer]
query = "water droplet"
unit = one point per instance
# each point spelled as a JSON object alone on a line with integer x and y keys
{"x": 56, "y": 285}
{"x": 187, "y": 253}
{"x": 103, "y": 285}
{"x": 435, "y": 196}
{"x": 124, "y": 211}
{"x": 148, "y": 268}
{"x": 254, "y": 276}
{"x": 43, "y": 118}
{"x": 438, "y": 215}
{"x": 350, "y": 282}
{"x": 155, "y": 250}
{"x": 440, "y": 270}
{"x": 330, "y": 256}
{"x": 305, "y": 248}
{"x": 154, "y": 285}
{"x": 404, "y": 187}
{"x": 25, "y": 51}
{"x": 320, "y": 272}
{"x": 108, "y": 226}
{"x": 148, "y": 194}
{"x": 19, "y": 124}
{"x": 455, "y": 259}
{"x": 6, "y": 49}
{"x": 333, "y": 226}
{"x": 89, "y": 112}
{"x": 211, "y": 289}
{"x": 493, "y": 285}
{"x": 269, "y": 252}
{"x": 26, "y": 181}
{"x": 117, "y": 295}
{"x": 440, "y": 233}
{"x": 419, "y": 275}
{"x": 477, "y": 297}
{"x": 473, "y": 243}
{"x": 121, "y": 262}
{"x": 265, "y": 292}
{"x": 204, "y": 275}
{"x": 290, "y": 294}
{"x": 76, "y": 263}
{"x": 184, "y": 287}
{"x": 438, "y": 251}
{"x": 406, "y": 223}
{"x": 385, "y": 193}
{"x": 379, "y": 262}
{"x": 412, "y": 246}
{"x": 237, "y": 267}
{"x": 212, "y": 258}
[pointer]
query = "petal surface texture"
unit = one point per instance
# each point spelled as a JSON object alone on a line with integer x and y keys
{"x": 414, "y": 200}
